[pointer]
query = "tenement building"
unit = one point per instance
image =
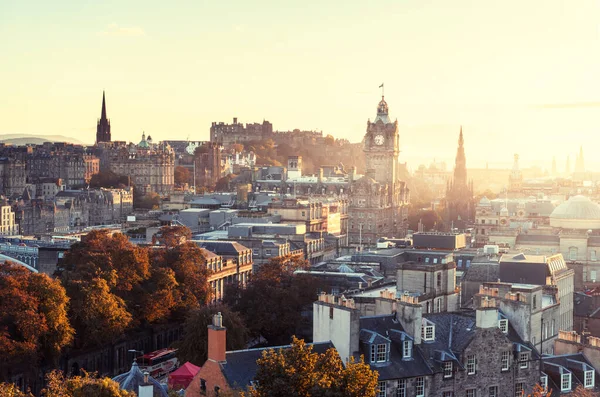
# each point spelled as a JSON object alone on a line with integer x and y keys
{"x": 379, "y": 199}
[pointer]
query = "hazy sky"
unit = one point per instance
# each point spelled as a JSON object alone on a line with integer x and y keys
{"x": 520, "y": 76}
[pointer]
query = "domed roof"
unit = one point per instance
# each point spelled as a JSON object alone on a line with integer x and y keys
{"x": 485, "y": 201}
{"x": 143, "y": 143}
{"x": 134, "y": 378}
{"x": 577, "y": 207}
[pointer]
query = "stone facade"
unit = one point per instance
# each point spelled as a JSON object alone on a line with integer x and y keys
{"x": 208, "y": 165}
{"x": 13, "y": 176}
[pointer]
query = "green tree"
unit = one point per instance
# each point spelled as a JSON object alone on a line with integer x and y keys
{"x": 148, "y": 201}
{"x": 299, "y": 372}
{"x": 33, "y": 316}
{"x": 273, "y": 301}
{"x": 82, "y": 386}
{"x": 194, "y": 345}
{"x": 182, "y": 176}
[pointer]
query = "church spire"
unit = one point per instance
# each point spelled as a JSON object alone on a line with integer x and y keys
{"x": 103, "y": 127}
{"x": 460, "y": 166}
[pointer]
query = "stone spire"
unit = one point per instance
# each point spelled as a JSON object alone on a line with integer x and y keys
{"x": 460, "y": 166}
{"x": 103, "y": 127}
{"x": 579, "y": 164}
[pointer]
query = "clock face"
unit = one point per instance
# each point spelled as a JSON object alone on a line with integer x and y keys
{"x": 379, "y": 139}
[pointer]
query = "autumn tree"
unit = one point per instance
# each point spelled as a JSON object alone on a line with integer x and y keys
{"x": 148, "y": 201}
{"x": 33, "y": 316}
{"x": 11, "y": 390}
{"x": 194, "y": 345}
{"x": 273, "y": 301}
{"x": 329, "y": 140}
{"x": 172, "y": 236}
{"x": 182, "y": 176}
{"x": 299, "y": 372}
{"x": 104, "y": 275}
{"x": 82, "y": 386}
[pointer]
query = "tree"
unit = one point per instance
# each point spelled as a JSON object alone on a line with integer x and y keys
{"x": 11, "y": 390}
{"x": 108, "y": 179}
{"x": 274, "y": 299}
{"x": 172, "y": 236}
{"x": 299, "y": 372}
{"x": 224, "y": 183}
{"x": 329, "y": 140}
{"x": 148, "y": 201}
{"x": 182, "y": 176}
{"x": 194, "y": 346}
{"x": 33, "y": 316}
{"x": 82, "y": 386}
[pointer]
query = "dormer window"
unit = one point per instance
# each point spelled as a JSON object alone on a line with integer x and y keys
{"x": 544, "y": 382}
{"x": 565, "y": 382}
{"x": 379, "y": 353}
{"x": 406, "y": 349}
{"x": 428, "y": 331}
{"x": 589, "y": 379}
{"x": 503, "y": 325}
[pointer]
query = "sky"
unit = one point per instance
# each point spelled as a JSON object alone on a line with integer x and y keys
{"x": 519, "y": 76}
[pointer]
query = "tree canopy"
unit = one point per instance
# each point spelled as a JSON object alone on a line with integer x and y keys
{"x": 194, "y": 346}
{"x": 108, "y": 179}
{"x": 299, "y": 372}
{"x": 11, "y": 390}
{"x": 82, "y": 386}
{"x": 33, "y": 315}
{"x": 182, "y": 176}
{"x": 272, "y": 302}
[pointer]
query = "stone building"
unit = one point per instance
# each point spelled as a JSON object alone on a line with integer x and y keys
{"x": 208, "y": 165}
{"x": 460, "y": 208}
{"x": 150, "y": 166}
{"x": 12, "y": 175}
{"x": 228, "y": 134}
{"x": 8, "y": 227}
{"x": 379, "y": 199}
{"x": 515, "y": 180}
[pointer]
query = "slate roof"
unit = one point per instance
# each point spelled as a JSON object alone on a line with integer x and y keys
{"x": 585, "y": 305}
{"x": 240, "y": 367}
{"x": 386, "y": 327}
{"x": 483, "y": 272}
{"x": 576, "y": 364}
{"x": 132, "y": 380}
{"x": 222, "y": 247}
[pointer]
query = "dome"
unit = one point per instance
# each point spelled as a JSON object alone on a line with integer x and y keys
{"x": 144, "y": 143}
{"x": 485, "y": 202}
{"x": 132, "y": 380}
{"x": 579, "y": 212}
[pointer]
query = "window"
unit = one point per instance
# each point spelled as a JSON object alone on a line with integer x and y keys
{"x": 435, "y": 260}
{"x": 523, "y": 360}
{"x": 460, "y": 263}
{"x": 470, "y": 393}
{"x": 505, "y": 361}
{"x": 468, "y": 262}
{"x": 589, "y": 379}
{"x": 565, "y": 382}
{"x": 406, "y": 349}
{"x": 381, "y": 352}
{"x": 428, "y": 332}
{"x": 438, "y": 305}
{"x": 593, "y": 255}
{"x": 401, "y": 389}
{"x": 420, "y": 387}
{"x": 373, "y": 353}
{"x": 448, "y": 369}
{"x": 471, "y": 365}
{"x": 447, "y": 394}
{"x": 439, "y": 280}
{"x": 534, "y": 302}
{"x": 493, "y": 391}
{"x": 544, "y": 381}
{"x": 427, "y": 260}
{"x": 519, "y": 389}
{"x": 573, "y": 253}
{"x": 593, "y": 276}
{"x": 503, "y": 325}
{"x": 382, "y": 389}
{"x": 202, "y": 386}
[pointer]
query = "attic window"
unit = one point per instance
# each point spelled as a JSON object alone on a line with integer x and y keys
{"x": 589, "y": 379}
{"x": 406, "y": 349}
{"x": 503, "y": 325}
{"x": 428, "y": 331}
{"x": 448, "y": 369}
{"x": 565, "y": 382}
{"x": 544, "y": 382}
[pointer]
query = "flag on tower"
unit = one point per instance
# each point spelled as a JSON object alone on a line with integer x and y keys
{"x": 381, "y": 86}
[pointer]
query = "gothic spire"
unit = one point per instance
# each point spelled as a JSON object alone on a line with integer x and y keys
{"x": 103, "y": 116}
{"x": 460, "y": 167}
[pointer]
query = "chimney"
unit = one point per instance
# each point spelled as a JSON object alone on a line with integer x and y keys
{"x": 486, "y": 315}
{"x": 410, "y": 315}
{"x": 217, "y": 339}
{"x": 337, "y": 319}
{"x": 146, "y": 390}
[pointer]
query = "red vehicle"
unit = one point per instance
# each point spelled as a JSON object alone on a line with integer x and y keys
{"x": 159, "y": 363}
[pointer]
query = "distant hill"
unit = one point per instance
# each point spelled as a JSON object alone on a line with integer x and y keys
{"x": 24, "y": 139}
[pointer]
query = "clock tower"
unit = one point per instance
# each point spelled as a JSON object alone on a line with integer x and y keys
{"x": 381, "y": 146}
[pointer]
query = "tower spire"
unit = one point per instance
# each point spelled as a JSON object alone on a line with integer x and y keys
{"x": 103, "y": 116}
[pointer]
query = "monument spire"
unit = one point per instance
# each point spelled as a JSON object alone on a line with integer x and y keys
{"x": 103, "y": 127}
